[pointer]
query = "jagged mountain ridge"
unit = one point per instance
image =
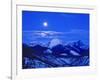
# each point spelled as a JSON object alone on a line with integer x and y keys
{"x": 57, "y": 56}
{"x": 59, "y": 47}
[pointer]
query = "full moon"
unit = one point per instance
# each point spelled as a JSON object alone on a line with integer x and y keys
{"x": 45, "y": 24}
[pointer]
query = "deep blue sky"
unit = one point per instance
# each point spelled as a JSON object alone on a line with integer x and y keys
{"x": 56, "y": 21}
{"x": 77, "y": 24}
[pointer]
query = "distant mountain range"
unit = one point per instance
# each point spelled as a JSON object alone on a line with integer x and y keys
{"x": 55, "y": 54}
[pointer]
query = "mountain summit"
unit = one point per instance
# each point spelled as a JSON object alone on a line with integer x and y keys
{"x": 54, "y": 42}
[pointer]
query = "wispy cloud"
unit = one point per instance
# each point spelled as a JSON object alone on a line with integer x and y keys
{"x": 77, "y": 31}
{"x": 73, "y": 31}
{"x": 43, "y": 33}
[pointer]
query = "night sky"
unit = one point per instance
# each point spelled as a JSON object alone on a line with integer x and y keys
{"x": 74, "y": 26}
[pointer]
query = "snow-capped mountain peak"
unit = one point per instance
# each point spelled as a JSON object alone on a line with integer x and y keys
{"x": 54, "y": 42}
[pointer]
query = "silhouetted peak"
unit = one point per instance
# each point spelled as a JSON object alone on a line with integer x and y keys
{"x": 39, "y": 47}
